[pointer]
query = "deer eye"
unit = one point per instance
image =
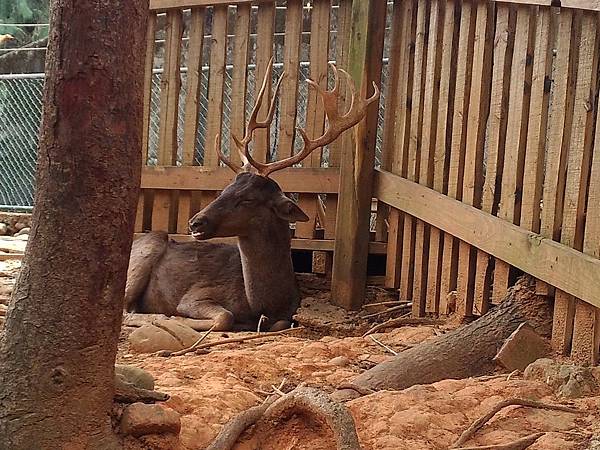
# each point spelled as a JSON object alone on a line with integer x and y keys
{"x": 246, "y": 202}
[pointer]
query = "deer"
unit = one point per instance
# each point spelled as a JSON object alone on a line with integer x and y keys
{"x": 237, "y": 287}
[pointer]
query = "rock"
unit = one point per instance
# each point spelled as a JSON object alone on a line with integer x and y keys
{"x": 140, "y": 419}
{"x": 186, "y": 335}
{"x": 136, "y": 376}
{"x": 340, "y": 361}
{"x": 3, "y": 229}
{"x": 20, "y": 225}
{"x": 150, "y": 339}
{"x": 521, "y": 348}
{"x": 22, "y": 231}
{"x": 567, "y": 381}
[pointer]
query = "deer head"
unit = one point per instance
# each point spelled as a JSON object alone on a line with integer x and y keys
{"x": 253, "y": 198}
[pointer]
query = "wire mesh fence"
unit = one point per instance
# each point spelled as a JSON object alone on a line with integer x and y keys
{"x": 21, "y": 111}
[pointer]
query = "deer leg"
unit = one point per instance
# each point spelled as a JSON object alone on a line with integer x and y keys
{"x": 280, "y": 325}
{"x": 191, "y": 306}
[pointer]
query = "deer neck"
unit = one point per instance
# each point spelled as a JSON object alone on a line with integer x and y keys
{"x": 269, "y": 277}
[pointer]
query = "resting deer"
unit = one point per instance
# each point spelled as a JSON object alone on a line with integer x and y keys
{"x": 229, "y": 286}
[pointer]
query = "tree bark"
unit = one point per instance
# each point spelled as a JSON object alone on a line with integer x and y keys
{"x": 58, "y": 349}
{"x": 464, "y": 352}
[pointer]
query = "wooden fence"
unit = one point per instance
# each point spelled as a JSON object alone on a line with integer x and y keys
{"x": 491, "y": 143}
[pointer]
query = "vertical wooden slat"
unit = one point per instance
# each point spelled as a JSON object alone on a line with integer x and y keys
{"x": 192, "y": 100}
{"x": 148, "y": 66}
{"x": 356, "y": 171}
{"x": 578, "y": 168}
{"x": 504, "y": 41}
{"x": 558, "y": 128}
{"x": 457, "y": 153}
{"x": 401, "y": 133}
{"x": 344, "y": 19}
{"x": 315, "y": 114}
{"x": 289, "y": 88}
{"x": 514, "y": 154}
{"x": 264, "y": 51}
{"x": 444, "y": 124}
{"x": 163, "y": 210}
{"x": 428, "y": 143}
{"x": 586, "y": 331}
{"x": 476, "y": 127}
{"x": 239, "y": 82}
{"x": 414, "y": 148}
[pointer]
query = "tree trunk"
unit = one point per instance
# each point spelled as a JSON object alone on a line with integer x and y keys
{"x": 58, "y": 349}
{"x": 464, "y": 352}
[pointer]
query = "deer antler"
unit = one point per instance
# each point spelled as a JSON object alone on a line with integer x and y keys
{"x": 337, "y": 123}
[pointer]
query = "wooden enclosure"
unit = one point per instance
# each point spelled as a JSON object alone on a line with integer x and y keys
{"x": 490, "y": 154}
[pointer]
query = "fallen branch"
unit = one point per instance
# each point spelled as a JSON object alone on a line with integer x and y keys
{"x": 392, "y": 351}
{"x": 246, "y": 338}
{"x": 387, "y": 311}
{"x": 519, "y": 444}
{"x": 469, "y": 432}
{"x": 394, "y": 303}
{"x": 128, "y": 393}
{"x": 404, "y": 321}
{"x": 302, "y": 400}
{"x": 184, "y": 351}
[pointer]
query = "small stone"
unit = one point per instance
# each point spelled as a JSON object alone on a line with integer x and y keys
{"x": 22, "y": 231}
{"x": 186, "y": 335}
{"x": 20, "y": 225}
{"x": 150, "y": 339}
{"x": 522, "y": 347}
{"x": 3, "y": 229}
{"x": 136, "y": 376}
{"x": 340, "y": 361}
{"x": 140, "y": 419}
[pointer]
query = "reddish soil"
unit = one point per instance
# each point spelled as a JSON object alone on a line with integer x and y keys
{"x": 209, "y": 389}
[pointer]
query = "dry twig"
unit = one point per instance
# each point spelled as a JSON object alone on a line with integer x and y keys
{"x": 186, "y": 350}
{"x": 387, "y": 311}
{"x": 301, "y": 400}
{"x": 392, "y": 351}
{"x": 246, "y": 338}
{"x": 394, "y": 303}
{"x": 404, "y": 321}
{"x": 469, "y": 432}
{"x": 519, "y": 444}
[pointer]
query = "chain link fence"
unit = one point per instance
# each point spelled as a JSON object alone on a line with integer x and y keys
{"x": 21, "y": 110}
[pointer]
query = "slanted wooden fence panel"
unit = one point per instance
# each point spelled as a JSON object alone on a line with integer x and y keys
{"x": 498, "y": 109}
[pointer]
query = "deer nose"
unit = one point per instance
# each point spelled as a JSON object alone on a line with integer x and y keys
{"x": 198, "y": 223}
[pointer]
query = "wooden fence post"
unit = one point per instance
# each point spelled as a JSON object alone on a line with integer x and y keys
{"x": 356, "y": 171}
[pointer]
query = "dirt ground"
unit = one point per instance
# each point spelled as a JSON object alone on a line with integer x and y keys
{"x": 209, "y": 389}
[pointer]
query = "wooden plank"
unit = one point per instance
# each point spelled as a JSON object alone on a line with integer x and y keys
{"x": 444, "y": 124}
{"x": 578, "y": 168}
{"x": 239, "y": 82}
{"x": 315, "y": 114}
{"x": 457, "y": 152}
{"x": 324, "y": 245}
{"x": 514, "y": 153}
{"x": 559, "y": 124}
{"x": 352, "y": 233}
{"x": 148, "y": 66}
{"x": 409, "y": 262}
{"x": 586, "y": 331}
{"x": 344, "y": 20}
{"x": 591, "y": 5}
{"x": 566, "y": 268}
{"x": 390, "y": 110}
{"x": 192, "y": 104}
{"x": 504, "y": 40}
{"x": 163, "y": 217}
{"x": 201, "y": 178}
{"x": 264, "y": 51}
{"x": 475, "y": 140}
{"x": 399, "y": 162}
{"x": 428, "y": 144}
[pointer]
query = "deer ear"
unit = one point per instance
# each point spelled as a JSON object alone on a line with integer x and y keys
{"x": 287, "y": 209}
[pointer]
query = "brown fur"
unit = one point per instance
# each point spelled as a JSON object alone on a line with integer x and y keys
{"x": 231, "y": 286}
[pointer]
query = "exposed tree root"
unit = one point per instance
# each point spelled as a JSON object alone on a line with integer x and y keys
{"x": 302, "y": 400}
{"x": 519, "y": 444}
{"x": 469, "y": 432}
{"x": 128, "y": 393}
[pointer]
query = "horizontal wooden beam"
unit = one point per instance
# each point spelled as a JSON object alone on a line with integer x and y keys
{"x": 590, "y": 5}
{"x": 325, "y": 245}
{"x": 199, "y": 178}
{"x": 561, "y": 266}
{"x": 163, "y": 5}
